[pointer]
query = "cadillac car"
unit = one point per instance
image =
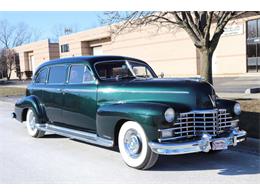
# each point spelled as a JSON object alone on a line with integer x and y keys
{"x": 116, "y": 101}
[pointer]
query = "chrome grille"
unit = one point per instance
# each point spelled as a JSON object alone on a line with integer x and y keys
{"x": 195, "y": 123}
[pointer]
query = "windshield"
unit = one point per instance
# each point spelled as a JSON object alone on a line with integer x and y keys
{"x": 123, "y": 69}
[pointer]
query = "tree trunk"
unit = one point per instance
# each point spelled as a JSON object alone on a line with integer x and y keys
{"x": 9, "y": 75}
{"x": 206, "y": 64}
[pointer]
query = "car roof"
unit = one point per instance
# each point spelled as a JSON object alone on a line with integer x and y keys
{"x": 90, "y": 59}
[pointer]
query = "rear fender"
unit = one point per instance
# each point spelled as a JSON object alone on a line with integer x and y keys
{"x": 33, "y": 103}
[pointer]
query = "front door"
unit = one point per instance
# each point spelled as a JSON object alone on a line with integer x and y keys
{"x": 253, "y": 45}
{"x": 79, "y": 100}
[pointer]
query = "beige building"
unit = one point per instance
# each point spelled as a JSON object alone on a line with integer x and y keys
{"x": 33, "y": 54}
{"x": 172, "y": 53}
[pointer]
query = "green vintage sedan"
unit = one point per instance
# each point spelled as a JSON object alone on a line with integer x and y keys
{"x": 119, "y": 101}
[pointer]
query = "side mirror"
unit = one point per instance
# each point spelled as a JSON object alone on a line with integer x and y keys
{"x": 162, "y": 75}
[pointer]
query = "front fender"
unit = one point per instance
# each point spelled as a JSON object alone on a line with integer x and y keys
{"x": 30, "y": 102}
{"x": 149, "y": 115}
{"x": 226, "y": 104}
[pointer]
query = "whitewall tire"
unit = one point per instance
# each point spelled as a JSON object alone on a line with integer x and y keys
{"x": 31, "y": 125}
{"x": 134, "y": 148}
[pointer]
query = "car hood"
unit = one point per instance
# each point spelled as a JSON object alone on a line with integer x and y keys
{"x": 186, "y": 93}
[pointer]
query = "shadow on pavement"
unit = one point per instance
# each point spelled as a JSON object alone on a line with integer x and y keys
{"x": 226, "y": 162}
{"x": 250, "y": 121}
{"x": 52, "y": 136}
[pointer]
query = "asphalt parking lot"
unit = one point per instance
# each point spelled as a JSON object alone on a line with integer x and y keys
{"x": 55, "y": 159}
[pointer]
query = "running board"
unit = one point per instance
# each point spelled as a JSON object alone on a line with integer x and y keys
{"x": 74, "y": 134}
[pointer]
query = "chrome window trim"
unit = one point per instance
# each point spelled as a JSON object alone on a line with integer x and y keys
{"x": 37, "y": 74}
{"x": 86, "y": 66}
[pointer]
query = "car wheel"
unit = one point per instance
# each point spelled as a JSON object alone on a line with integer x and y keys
{"x": 134, "y": 148}
{"x": 31, "y": 125}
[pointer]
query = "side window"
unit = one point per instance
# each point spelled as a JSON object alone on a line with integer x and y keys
{"x": 79, "y": 74}
{"x": 141, "y": 71}
{"x": 57, "y": 74}
{"x": 87, "y": 75}
{"x": 41, "y": 76}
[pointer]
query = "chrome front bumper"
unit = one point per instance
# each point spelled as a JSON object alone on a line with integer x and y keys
{"x": 203, "y": 144}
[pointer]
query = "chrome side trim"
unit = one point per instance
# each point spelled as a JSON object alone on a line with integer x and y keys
{"x": 201, "y": 145}
{"x": 110, "y": 90}
{"x": 74, "y": 134}
{"x": 79, "y": 90}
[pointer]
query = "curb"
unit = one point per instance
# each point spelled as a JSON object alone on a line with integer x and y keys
{"x": 252, "y": 90}
{"x": 240, "y": 95}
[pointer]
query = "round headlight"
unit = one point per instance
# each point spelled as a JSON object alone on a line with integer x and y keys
{"x": 237, "y": 109}
{"x": 169, "y": 115}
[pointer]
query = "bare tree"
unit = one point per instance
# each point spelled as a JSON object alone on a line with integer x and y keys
{"x": 10, "y": 37}
{"x": 7, "y": 57}
{"x": 14, "y": 35}
{"x": 3, "y": 68}
{"x": 198, "y": 24}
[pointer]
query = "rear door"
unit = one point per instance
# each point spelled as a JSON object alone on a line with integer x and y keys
{"x": 39, "y": 83}
{"x": 80, "y": 96}
{"x": 52, "y": 95}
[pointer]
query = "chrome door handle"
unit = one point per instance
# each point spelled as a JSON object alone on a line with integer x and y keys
{"x": 64, "y": 91}
{"x": 61, "y": 91}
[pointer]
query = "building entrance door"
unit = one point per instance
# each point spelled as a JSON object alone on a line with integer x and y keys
{"x": 253, "y": 45}
{"x": 97, "y": 50}
{"x": 32, "y": 63}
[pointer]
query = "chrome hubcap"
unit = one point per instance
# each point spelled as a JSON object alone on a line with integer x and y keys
{"x": 132, "y": 143}
{"x": 32, "y": 121}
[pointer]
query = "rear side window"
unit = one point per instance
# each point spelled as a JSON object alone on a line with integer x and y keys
{"x": 79, "y": 74}
{"x": 57, "y": 74}
{"x": 41, "y": 76}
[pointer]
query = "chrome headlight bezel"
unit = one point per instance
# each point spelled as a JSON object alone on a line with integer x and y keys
{"x": 237, "y": 109}
{"x": 169, "y": 115}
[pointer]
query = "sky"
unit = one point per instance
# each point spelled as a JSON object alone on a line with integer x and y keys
{"x": 43, "y": 23}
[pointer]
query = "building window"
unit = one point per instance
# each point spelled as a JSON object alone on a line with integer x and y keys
{"x": 64, "y": 48}
{"x": 253, "y": 45}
